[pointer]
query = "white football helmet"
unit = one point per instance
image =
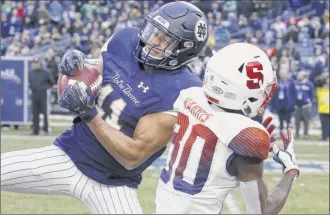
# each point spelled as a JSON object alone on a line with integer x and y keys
{"x": 240, "y": 77}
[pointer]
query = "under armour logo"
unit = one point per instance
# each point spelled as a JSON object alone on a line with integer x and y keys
{"x": 201, "y": 30}
{"x": 79, "y": 111}
{"x": 145, "y": 89}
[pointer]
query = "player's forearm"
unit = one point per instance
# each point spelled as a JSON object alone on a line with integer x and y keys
{"x": 280, "y": 193}
{"x": 120, "y": 146}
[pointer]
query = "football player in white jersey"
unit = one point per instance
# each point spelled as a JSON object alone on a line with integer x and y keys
{"x": 217, "y": 147}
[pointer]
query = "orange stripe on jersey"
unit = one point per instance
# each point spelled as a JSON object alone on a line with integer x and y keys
{"x": 252, "y": 142}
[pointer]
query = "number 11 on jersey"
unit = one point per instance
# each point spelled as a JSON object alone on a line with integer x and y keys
{"x": 116, "y": 107}
{"x": 196, "y": 144}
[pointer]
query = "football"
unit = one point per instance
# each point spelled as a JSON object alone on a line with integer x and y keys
{"x": 89, "y": 75}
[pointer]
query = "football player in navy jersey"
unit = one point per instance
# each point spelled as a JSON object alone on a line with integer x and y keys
{"x": 117, "y": 135}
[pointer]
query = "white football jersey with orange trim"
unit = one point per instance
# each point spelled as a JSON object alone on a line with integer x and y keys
{"x": 196, "y": 178}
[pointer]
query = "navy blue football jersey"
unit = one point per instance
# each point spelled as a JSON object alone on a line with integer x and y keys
{"x": 127, "y": 94}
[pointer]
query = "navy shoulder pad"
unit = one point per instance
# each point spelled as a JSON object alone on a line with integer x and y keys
{"x": 170, "y": 84}
{"x": 121, "y": 38}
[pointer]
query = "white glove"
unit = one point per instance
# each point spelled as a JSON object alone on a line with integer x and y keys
{"x": 286, "y": 157}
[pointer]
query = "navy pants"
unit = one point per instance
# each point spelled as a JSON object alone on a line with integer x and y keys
{"x": 325, "y": 125}
{"x": 285, "y": 115}
{"x": 39, "y": 106}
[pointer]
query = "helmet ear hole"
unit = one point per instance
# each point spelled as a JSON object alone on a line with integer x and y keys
{"x": 252, "y": 99}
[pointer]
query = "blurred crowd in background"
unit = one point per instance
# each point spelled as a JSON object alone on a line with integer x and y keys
{"x": 294, "y": 34}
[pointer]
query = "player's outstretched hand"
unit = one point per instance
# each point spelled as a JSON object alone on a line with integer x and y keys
{"x": 286, "y": 157}
{"x": 270, "y": 127}
{"x": 71, "y": 59}
{"x": 80, "y": 100}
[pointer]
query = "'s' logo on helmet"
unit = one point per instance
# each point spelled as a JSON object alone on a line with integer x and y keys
{"x": 201, "y": 30}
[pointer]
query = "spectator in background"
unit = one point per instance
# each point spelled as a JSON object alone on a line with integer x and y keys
{"x": 323, "y": 106}
{"x": 305, "y": 96}
{"x": 39, "y": 81}
{"x": 37, "y": 42}
{"x": 70, "y": 14}
{"x": 229, "y": 6}
{"x": 245, "y": 8}
{"x": 96, "y": 27}
{"x": 56, "y": 11}
{"x": 7, "y": 7}
{"x": 48, "y": 62}
{"x": 280, "y": 26}
{"x": 15, "y": 23}
{"x": 42, "y": 30}
{"x": 26, "y": 39}
{"x": 274, "y": 62}
{"x": 65, "y": 34}
{"x": 254, "y": 22}
{"x": 295, "y": 67}
{"x": 284, "y": 100}
{"x": 254, "y": 41}
{"x": 292, "y": 34}
{"x": 20, "y": 11}
{"x": 14, "y": 47}
{"x": 326, "y": 25}
{"x": 260, "y": 37}
{"x": 24, "y": 50}
{"x": 43, "y": 13}
{"x": 107, "y": 33}
{"x": 56, "y": 35}
{"x": 135, "y": 13}
{"x": 316, "y": 27}
{"x": 29, "y": 23}
{"x": 88, "y": 10}
{"x": 210, "y": 18}
{"x": 5, "y": 26}
{"x": 30, "y": 15}
{"x": 105, "y": 13}
{"x": 284, "y": 63}
{"x": 67, "y": 25}
{"x": 76, "y": 43}
{"x": 46, "y": 39}
{"x": 242, "y": 21}
{"x": 215, "y": 7}
{"x": 292, "y": 54}
{"x": 321, "y": 65}
{"x": 319, "y": 6}
{"x": 78, "y": 24}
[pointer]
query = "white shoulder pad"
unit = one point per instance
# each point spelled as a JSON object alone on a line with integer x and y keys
{"x": 227, "y": 125}
{"x": 192, "y": 102}
{"x": 243, "y": 135}
{"x": 194, "y": 93}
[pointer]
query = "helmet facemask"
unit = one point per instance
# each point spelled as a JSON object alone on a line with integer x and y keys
{"x": 254, "y": 106}
{"x": 159, "y": 47}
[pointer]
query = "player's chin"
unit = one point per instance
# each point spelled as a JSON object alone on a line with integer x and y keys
{"x": 155, "y": 53}
{"x": 157, "y": 56}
